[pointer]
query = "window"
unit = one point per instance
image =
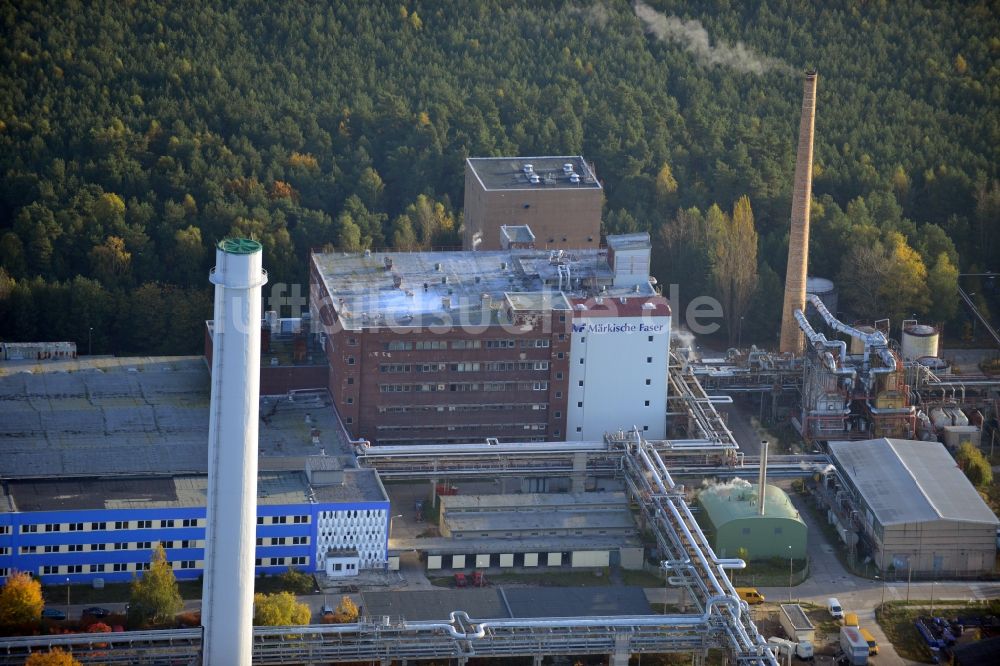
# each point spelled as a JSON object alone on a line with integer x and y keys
{"x": 352, "y": 342}
{"x": 579, "y": 429}
{"x": 121, "y": 524}
{"x": 300, "y": 559}
{"x": 187, "y": 564}
{"x": 49, "y": 569}
{"x": 557, "y": 432}
{"x": 52, "y": 549}
{"x": 143, "y": 545}
{"x": 649, "y": 359}
{"x": 560, "y": 355}
{"x": 645, "y": 427}
{"x": 260, "y": 520}
{"x": 647, "y": 403}
{"x": 260, "y": 541}
{"x": 119, "y": 566}
{"x": 558, "y": 415}
{"x": 350, "y": 360}
{"x": 349, "y": 419}
{"x": 187, "y": 544}
{"x": 649, "y": 382}
{"x": 558, "y": 394}
{"x": 144, "y": 524}
{"x": 142, "y": 566}
{"x": 428, "y": 345}
{"x": 350, "y": 381}
{"x": 167, "y": 544}
{"x": 559, "y": 375}
{"x": 98, "y": 546}
{"x": 25, "y": 529}
{"x": 75, "y": 548}
{"x": 53, "y": 527}
{"x": 166, "y": 523}
{"x": 279, "y": 520}
{"x": 581, "y": 360}
{"x": 99, "y": 526}
{"x": 26, "y": 550}
{"x": 74, "y": 568}
{"x": 298, "y": 520}
{"x": 398, "y": 345}
{"x": 96, "y": 568}
{"x": 579, "y": 404}
{"x": 4, "y": 529}
{"x": 300, "y": 540}
{"x": 651, "y": 338}
{"x": 278, "y": 541}
{"x": 121, "y": 545}
{"x": 76, "y": 527}
{"x": 193, "y": 522}
{"x": 350, "y": 401}
{"x": 257, "y": 562}
{"x": 276, "y": 561}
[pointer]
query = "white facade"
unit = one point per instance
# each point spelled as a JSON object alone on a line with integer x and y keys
{"x": 618, "y": 376}
{"x": 342, "y": 563}
{"x": 363, "y": 530}
{"x": 230, "y": 534}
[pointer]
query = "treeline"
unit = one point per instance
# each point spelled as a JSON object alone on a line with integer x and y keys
{"x": 135, "y": 135}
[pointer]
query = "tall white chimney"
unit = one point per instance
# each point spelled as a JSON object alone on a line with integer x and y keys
{"x": 230, "y": 535}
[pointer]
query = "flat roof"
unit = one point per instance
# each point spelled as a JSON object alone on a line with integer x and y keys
{"x": 539, "y": 544}
{"x": 906, "y": 481}
{"x": 590, "y": 520}
{"x": 509, "y": 173}
{"x": 507, "y": 602}
{"x": 422, "y": 289}
{"x": 539, "y": 501}
{"x": 273, "y": 488}
{"x": 143, "y": 415}
{"x": 636, "y": 241}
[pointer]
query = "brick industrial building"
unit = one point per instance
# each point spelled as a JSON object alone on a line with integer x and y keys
{"x": 517, "y": 344}
{"x": 559, "y": 198}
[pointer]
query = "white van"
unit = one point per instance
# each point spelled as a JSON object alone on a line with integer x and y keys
{"x": 836, "y": 610}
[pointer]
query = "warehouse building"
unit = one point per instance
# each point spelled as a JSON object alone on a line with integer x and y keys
{"x": 557, "y": 197}
{"x": 915, "y": 506}
{"x": 733, "y": 521}
{"x": 520, "y": 345}
{"x": 83, "y": 529}
{"x": 531, "y": 530}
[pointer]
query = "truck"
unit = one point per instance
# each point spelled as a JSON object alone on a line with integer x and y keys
{"x": 796, "y": 624}
{"x": 786, "y": 648}
{"x": 854, "y": 646}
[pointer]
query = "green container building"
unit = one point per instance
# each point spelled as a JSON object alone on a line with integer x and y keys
{"x": 731, "y": 519}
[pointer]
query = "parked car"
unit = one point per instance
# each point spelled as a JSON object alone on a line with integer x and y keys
{"x": 834, "y": 608}
{"x": 96, "y": 612}
{"x": 750, "y": 595}
{"x": 53, "y": 614}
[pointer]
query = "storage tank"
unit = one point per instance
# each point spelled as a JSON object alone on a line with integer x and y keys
{"x": 858, "y": 346}
{"x": 919, "y": 340}
{"x": 826, "y": 290}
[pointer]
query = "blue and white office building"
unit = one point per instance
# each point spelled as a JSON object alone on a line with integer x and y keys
{"x": 87, "y": 528}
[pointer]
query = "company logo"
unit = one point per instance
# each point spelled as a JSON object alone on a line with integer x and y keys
{"x": 619, "y": 328}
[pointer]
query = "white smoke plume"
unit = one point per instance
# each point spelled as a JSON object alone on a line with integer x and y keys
{"x": 691, "y": 34}
{"x": 736, "y": 488}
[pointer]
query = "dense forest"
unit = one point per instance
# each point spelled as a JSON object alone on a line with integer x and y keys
{"x": 133, "y": 135}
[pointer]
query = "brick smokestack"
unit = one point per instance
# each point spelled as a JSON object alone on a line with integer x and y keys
{"x": 798, "y": 240}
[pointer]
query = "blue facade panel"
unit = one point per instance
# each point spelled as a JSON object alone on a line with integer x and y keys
{"x": 113, "y": 544}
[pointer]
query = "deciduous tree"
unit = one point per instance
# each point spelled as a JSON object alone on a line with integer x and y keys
{"x": 734, "y": 260}
{"x": 55, "y": 657}
{"x": 155, "y": 596}
{"x": 20, "y": 600}
{"x": 281, "y": 609}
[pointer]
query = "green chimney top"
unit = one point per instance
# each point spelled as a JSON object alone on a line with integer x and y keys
{"x": 239, "y": 246}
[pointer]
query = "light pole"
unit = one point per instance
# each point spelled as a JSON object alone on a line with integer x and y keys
{"x": 90, "y": 341}
{"x": 789, "y": 574}
{"x": 67, "y": 597}
{"x": 739, "y": 337}
{"x": 933, "y": 584}
{"x": 398, "y": 515}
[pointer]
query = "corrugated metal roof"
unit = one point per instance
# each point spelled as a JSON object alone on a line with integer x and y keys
{"x": 738, "y": 499}
{"x": 905, "y": 481}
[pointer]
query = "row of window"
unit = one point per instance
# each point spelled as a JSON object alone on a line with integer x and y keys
{"x": 282, "y": 541}
{"x": 470, "y": 366}
{"x": 282, "y": 520}
{"x": 425, "y": 345}
{"x": 464, "y": 387}
{"x": 494, "y": 407}
{"x": 281, "y": 561}
{"x": 118, "y": 567}
{"x": 463, "y": 427}
{"x": 117, "y": 545}
{"x": 100, "y": 526}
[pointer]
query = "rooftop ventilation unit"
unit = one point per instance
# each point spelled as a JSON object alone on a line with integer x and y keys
{"x": 535, "y": 179}
{"x": 529, "y": 169}
{"x": 574, "y": 178}
{"x": 568, "y": 168}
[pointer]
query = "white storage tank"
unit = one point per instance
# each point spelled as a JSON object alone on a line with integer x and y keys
{"x": 919, "y": 340}
{"x": 826, "y": 290}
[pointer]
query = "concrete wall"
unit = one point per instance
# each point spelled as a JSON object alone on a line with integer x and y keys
{"x": 939, "y": 548}
{"x": 590, "y": 558}
{"x": 618, "y": 376}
